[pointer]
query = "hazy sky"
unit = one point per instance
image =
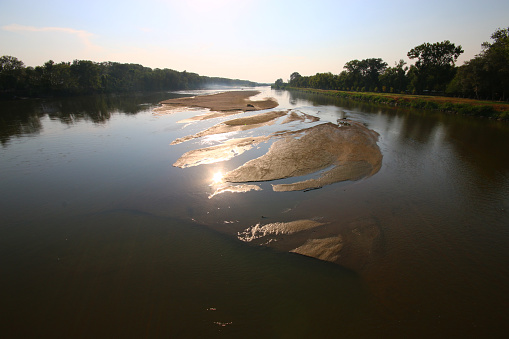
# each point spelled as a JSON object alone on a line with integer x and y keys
{"x": 259, "y": 40}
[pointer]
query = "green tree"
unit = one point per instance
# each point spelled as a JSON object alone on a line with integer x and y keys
{"x": 353, "y": 77}
{"x": 487, "y": 74}
{"x": 295, "y": 78}
{"x": 55, "y": 78}
{"x": 434, "y": 67}
{"x": 84, "y": 76}
{"x": 11, "y": 73}
{"x": 470, "y": 79}
{"x": 372, "y": 69}
{"x": 87, "y": 74}
{"x": 496, "y": 56}
{"x": 279, "y": 83}
{"x": 395, "y": 77}
{"x": 323, "y": 81}
{"x": 363, "y": 73}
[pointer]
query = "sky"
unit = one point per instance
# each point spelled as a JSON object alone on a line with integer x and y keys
{"x": 257, "y": 40}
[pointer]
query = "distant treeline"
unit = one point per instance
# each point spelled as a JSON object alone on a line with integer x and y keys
{"x": 88, "y": 77}
{"x": 484, "y": 77}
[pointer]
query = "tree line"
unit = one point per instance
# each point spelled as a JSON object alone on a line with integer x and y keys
{"x": 434, "y": 72}
{"x": 88, "y": 77}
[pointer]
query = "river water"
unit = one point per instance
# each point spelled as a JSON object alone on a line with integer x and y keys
{"x": 101, "y": 236}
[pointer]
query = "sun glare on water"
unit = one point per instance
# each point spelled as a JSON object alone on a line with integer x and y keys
{"x": 217, "y": 178}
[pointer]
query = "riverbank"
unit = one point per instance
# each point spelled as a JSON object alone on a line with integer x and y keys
{"x": 469, "y": 107}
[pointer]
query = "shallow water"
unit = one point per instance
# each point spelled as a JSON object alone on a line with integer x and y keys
{"x": 101, "y": 236}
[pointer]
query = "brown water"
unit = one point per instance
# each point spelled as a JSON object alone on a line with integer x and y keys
{"x": 101, "y": 236}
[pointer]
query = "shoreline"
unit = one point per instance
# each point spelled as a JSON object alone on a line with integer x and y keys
{"x": 461, "y": 106}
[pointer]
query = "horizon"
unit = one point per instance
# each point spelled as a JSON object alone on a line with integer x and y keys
{"x": 259, "y": 41}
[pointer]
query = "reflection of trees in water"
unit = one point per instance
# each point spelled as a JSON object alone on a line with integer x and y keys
{"x": 481, "y": 144}
{"x": 97, "y": 109}
{"x": 477, "y": 142}
{"x": 18, "y": 118}
{"x": 326, "y": 100}
{"x": 24, "y": 116}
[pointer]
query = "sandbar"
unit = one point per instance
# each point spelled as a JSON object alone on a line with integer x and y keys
{"x": 278, "y": 228}
{"x": 351, "y": 151}
{"x": 223, "y": 102}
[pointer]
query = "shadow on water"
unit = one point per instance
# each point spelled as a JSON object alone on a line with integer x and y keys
{"x": 128, "y": 274}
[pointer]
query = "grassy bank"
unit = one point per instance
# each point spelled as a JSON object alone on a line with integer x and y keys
{"x": 478, "y": 108}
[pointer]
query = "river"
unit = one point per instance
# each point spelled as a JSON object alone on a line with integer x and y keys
{"x": 101, "y": 236}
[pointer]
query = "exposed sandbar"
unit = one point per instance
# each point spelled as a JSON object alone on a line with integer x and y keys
{"x": 351, "y": 149}
{"x": 235, "y": 125}
{"x": 226, "y": 101}
{"x": 300, "y": 116}
{"x": 278, "y": 228}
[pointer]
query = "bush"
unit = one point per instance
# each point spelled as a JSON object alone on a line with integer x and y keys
{"x": 431, "y": 105}
{"x": 479, "y": 111}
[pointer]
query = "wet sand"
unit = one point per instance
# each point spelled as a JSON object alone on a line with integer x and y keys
{"x": 223, "y": 102}
{"x": 326, "y": 249}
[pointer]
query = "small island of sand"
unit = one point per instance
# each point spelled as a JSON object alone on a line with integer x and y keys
{"x": 223, "y": 102}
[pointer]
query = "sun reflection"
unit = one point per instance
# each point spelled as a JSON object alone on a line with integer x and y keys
{"x": 217, "y": 178}
{"x": 216, "y": 138}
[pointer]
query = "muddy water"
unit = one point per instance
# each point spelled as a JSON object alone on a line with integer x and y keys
{"x": 102, "y": 236}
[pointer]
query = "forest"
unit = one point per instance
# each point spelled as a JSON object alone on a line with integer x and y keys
{"x": 88, "y": 77}
{"x": 434, "y": 72}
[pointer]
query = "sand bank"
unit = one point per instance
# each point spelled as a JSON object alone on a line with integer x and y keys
{"x": 352, "y": 151}
{"x": 278, "y": 228}
{"x": 235, "y": 125}
{"x": 226, "y": 101}
{"x": 300, "y": 116}
{"x": 346, "y": 152}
